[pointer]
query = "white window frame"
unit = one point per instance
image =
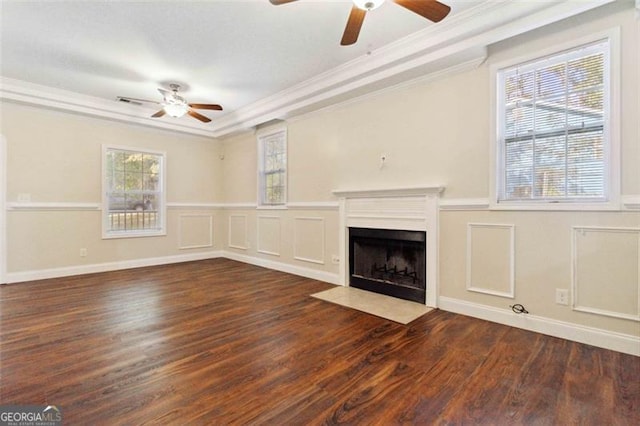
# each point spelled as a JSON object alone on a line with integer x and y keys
{"x": 611, "y": 124}
{"x": 162, "y": 206}
{"x": 261, "y": 136}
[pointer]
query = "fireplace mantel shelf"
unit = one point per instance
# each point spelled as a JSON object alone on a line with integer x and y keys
{"x": 388, "y": 192}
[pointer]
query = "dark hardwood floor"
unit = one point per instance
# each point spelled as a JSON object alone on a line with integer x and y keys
{"x": 221, "y": 342}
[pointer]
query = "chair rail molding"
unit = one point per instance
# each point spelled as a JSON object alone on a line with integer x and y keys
{"x": 53, "y": 206}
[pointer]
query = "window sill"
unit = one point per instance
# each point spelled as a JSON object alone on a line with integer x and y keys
{"x": 119, "y": 235}
{"x": 560, "y": 206}
{"x": 275, "y": 207}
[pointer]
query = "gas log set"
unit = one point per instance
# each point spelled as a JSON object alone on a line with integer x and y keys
{"x": 390, "y": 262}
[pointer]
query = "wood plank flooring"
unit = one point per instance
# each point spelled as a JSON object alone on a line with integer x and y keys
{"x": 221, "y": 342}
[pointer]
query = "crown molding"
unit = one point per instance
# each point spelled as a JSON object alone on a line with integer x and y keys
{"x": 462, "y": 39}
{"x": 49, "y": 97}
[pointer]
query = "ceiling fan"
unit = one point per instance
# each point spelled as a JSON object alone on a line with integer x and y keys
{"x": 430, "y": 9}
{"x": 174, "y": 105}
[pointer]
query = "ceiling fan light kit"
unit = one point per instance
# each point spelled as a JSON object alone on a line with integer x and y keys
{"x": 175, "y": 110}
{"x": 174, "y": 105}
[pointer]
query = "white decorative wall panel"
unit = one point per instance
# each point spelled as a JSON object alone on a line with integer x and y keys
{"x": 490, "y": 259}
{"x": 238, "y": 231}
{"x": 195, "y": 231}
{"x": 269, "y": 235}
{"x": 309, "y": 244}
{"x": 606, "y": 271}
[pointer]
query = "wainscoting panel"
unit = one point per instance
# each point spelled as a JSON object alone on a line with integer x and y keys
{"x": 308, "y": 236}
{"x": 195, "y": 231}
{"x": 490, "y": 259}
{"x": 269, "y": 235}
{"x": 238, "y": 231}
{"x": 606, "y": 271}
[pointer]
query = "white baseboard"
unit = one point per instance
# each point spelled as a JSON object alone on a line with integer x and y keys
{"x": 625, "y": 343}
{"x": 284, "y": 267}
{"x": 42, "y": 274}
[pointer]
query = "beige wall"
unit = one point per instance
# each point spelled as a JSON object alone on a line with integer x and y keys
{"x": 429, "y": 134}
{"x": 240, "y": 169}
{"x": 55, "y": 157}
{"x": 438, "y": 133}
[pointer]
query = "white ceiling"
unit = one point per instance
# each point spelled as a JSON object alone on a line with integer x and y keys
{"x": 259, "y": 61}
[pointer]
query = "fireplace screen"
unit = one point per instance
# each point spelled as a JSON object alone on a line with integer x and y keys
{"x": 387, "y": 261}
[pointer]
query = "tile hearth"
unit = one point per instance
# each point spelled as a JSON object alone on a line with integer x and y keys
{"x": 391, "y": 308}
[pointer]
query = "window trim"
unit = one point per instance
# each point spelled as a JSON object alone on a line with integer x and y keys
{"x": 612, "y": 134}
{"x": 162, "y": 208}
{"x": 260, "y": 135}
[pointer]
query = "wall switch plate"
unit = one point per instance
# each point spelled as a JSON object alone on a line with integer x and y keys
{"x": 83, "y": 252}
{"x": 562, "y": 296}
{"x": 24, "y": 198}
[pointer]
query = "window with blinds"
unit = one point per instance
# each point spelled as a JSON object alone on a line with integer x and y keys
{"x": 552, "y": 127}
{"x": 273, "y": 168}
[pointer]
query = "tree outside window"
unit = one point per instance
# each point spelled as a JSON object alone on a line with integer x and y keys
{"x": 553, "y": 115}
{"x": 133, "y": 192}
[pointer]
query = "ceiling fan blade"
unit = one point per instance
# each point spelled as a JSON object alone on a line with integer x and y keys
{"x": 159, "y": 114}
{"x": 198, "y": 116}
{"x": 277, "y": 2}
{"x": 206, "y": 106}
{"x": 354, "y": 24}
{"x": 431, "y": 9}
{"x": 134, "y": 100}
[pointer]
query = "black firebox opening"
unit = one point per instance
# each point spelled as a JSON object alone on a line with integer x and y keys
{"x": 388, "y": 261}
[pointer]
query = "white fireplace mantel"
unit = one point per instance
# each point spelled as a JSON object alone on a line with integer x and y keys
{"x": 408, "y": 208}
{"x": 387, "y": 192}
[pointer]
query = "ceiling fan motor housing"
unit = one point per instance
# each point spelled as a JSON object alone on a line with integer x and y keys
{"x": 368, "y": 4}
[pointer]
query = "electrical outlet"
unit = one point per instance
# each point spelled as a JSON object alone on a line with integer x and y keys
{"x": 562, "y": 296}
{"x": 83, "y": 252}
{"x": 335, "y": 259}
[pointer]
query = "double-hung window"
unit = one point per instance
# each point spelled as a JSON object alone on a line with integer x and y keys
{"x": 554, "y": 128}
{"x": 133, "y": 202}
{"x": 272, "y": 168}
